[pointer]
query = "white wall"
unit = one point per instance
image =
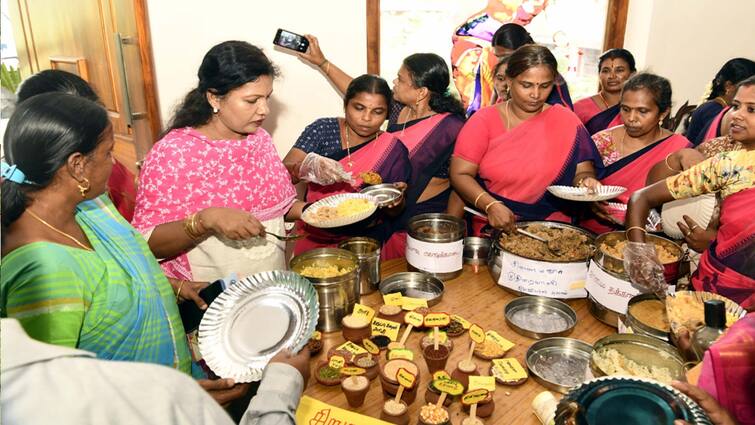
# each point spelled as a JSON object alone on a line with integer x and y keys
{"x": 687, "y": 41}
{"x": 183, "y": 31}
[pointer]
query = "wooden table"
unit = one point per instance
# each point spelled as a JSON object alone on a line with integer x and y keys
{"x": 477, "y": 298}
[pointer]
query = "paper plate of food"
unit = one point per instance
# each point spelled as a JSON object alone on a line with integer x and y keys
{"x": 686, "y": 310}
{"x": 340, "y": 210}
{"x": 573, "y": 193}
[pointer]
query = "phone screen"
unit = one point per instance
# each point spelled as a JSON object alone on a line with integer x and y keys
{"x": 291, "y": 40}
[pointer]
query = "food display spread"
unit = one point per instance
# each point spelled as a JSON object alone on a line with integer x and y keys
{"x": 565, "y": 244}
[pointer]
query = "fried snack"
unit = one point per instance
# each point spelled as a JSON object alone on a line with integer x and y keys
{"x": 570, "y": 244}
{"x": 612, "y": 362}
{"x": 688, "y": 311}
{"x": 370, "y": 178}
{"x": 617, "y": 251}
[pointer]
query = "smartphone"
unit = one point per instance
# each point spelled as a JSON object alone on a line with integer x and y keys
{"x": 291, "y": 40}
{"x": 191, "y": 315}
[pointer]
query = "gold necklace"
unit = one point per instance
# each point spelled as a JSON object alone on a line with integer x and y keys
{"x": 603, "y": 99}
{"x": 59, "y": 231}
{"x": 348, "y": 141}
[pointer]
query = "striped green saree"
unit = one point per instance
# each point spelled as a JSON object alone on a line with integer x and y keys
{"x": 115, "y": 301}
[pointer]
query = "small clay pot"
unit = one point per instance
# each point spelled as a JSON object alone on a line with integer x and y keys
{"x": 436, "y": 359}
{"x": 428, "y": 340}
{"x": 370, "y": 372}
{"x": 454, "y": 329}
{"x": 485, "y": 408}
{"x": 355, "y": 334}
{"x": 324, "y": 381}
{"x": 400, "y": 419}
{"x": 462, "y": 375}
{"x": 432, "y": 395}
{"x": 397, "y": 317}
{"x": 390, "y": 384}
{"x": 421, "y": 421}
{"x": 355, "y": 395}
{"x": 381, "y": 341}
{"x": 315, "y": 346}
{"x": 347, "y": 355}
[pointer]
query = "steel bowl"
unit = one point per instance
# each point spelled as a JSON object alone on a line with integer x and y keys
{"x": 641, "y": 328}
{"x": 644, "y": 350}
{"x": 385, "y": 193}
{"x": 476, "y": 250}
{"x": 415, "y": 285}
{"x": 616, "y": 264}
{"x": 436, "y": 228}
{"x": 540, "y": 306}
{"x": 604, "y": 314}
{"x": 559, "y": 363}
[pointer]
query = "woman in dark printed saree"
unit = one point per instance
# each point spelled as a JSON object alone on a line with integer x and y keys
{"x": 508, "y": 154}
{"x": 629, "y": 151}
{"x": 427, "y": 119}
{"x": 601, "y": 111}
{"x": 706, "y": 121}
{"x": 727, "y": 267}
{"x": 356, "y": 143}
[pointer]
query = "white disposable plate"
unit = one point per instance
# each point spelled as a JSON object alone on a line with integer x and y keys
{"x": 573, "y": 193}
{"x": 253, "y": 320}
{"x": 333, "y": 201}
{"x": 654, "y": 220}
{"x": 700, "y": 208}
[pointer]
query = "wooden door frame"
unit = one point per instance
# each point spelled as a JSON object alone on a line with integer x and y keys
{"x": 616, "y": 24}
{"x": 148, "y": 68}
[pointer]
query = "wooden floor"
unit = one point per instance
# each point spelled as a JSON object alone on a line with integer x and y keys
{"x": 478, "y": 299}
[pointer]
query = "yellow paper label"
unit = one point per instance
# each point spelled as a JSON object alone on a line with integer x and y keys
{"x": 317, "y": 335}
{"x": 393, "y": 299}
{"x": 401, "y": 353}
{"x": 363, "y": 311}
{"x": 405, "y": 378}
{"x": 484, "y": 382}
{"x": 414, "y": 319}
{"x": 370, "y": 346}
{"x": 442, "y": 336}
{"x": 449, "y": 386}
{"x": 385, "y": 327}
{"x": 441, "y": 374}
{"x": 502, "y": 342}
{"x": 437, "y": 320}
{"x": 351, "y": 348}
{"x": 336, "y": 362}
{"x": 466, "y": 324}
{"x": 509, "y": 369}
{"x": 477, "y": 334}
{"x": 409, "y": 304}
{"x": 353, "y": 371}
{"x": 315, "y": 412}
{"x": 474, "y": 397}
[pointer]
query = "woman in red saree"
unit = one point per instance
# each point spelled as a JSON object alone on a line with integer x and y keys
{"x": 427, "y": 119}
{"x": 628, "y": 152}
{"x": 601, "y": 111}
{"x": 508, "y": 154}
{"x": 359, "y": 146}
{"x": 727, "y": 267}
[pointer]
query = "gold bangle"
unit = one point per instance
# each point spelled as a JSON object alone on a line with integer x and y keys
{"x": 180, "y": 286}
{"x": 190, "y": 227}
{"x": 487, "y": 207}
{"x": 669, "y": 166}
{"x": 478, "y": 198}
{"x": 629, "y": 229}
{"x": 323, "y": 63}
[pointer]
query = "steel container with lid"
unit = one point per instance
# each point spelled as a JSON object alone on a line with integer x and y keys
{"x": 434, "y": 245}
{"x": 367, "y": 251}
{"x": 337, "y": 294}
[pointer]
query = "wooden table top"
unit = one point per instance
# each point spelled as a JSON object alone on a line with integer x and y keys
{"x": 477, "y": 298}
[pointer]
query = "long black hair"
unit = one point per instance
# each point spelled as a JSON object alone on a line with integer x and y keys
{"x": 431, "y": 71}
{"x": 733, "y": 71}
{"x": 42, "y": 133}
{"x": 529, "y": 56}
{"x": 511, "y": 36}
{"x": 55, "y": 80}
{"x": 368, "y": 83}
{"x": 226, "y": 66}
{"x": 658, "y": 86}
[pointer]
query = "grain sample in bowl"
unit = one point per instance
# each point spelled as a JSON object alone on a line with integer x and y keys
{"x": 651, "y": 313}
{"x": 617, "y": 251}
{"x": 612, "y": 362}
{"x": 319, "y": 271}
{"x": 568, "y": 244}
{"x": 540, "y": 321}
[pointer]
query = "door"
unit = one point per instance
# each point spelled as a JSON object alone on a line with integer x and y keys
{"x": 106, "y": 42}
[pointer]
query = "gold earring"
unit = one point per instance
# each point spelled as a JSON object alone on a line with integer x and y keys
{"x": 215, "y": 110}
{"x": 84, "y": 187}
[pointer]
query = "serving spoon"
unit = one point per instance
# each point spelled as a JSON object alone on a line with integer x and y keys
{"x": 549, "y": 243}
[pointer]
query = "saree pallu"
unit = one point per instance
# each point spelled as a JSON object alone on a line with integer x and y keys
{"x": 114, "y": 301}
{"x": 121, "y": 187}
{"x": 728, "y": 371}
{"x": 631, "y": 172}
{"x": 714, "y": 129}
{"x": 701, "y": 119}
{"x": 594, "y": 118}
{"x": 728, "y": 266}
{"x": 430, "y": 142}
{"x": 517, "y": 166}
{"x": 386, "y": 156}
